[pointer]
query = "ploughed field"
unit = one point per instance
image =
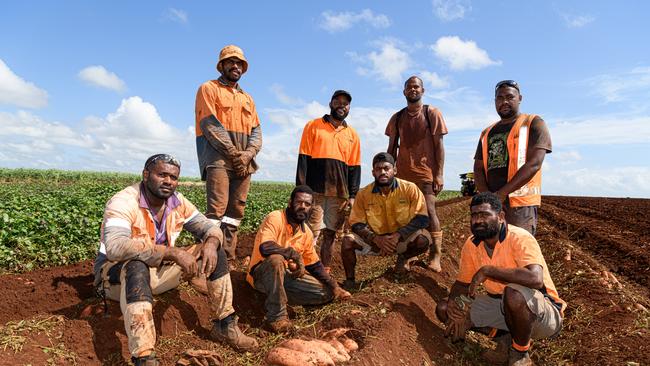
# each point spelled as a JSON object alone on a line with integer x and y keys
{"x": 597, "y": 249}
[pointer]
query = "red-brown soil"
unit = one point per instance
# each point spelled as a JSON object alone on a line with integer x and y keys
{"x": 393, "y": 321}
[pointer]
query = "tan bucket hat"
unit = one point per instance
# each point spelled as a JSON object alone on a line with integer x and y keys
{"x": 232, "y": 51}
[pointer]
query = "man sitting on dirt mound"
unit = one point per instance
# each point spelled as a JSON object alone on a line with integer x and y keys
{"x": 521, "y": 301}
{"x": 283, "y": 251}
{"x": 137, "y": 258}
{"x": 389, "y": 216}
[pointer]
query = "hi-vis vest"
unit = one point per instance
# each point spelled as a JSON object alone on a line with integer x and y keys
{"x": 530, "y": 194}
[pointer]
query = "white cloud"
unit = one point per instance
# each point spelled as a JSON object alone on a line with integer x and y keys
{"x": 388, "y": 63}
{"x": 176, "y": 15}
{"x": 449, "y": 10}
{"x": 433, "y": 80}
{"x": 120, "y": 141}
{"x": 566, "y": 157}
{"x": 16, "y": 91}
{"x": 462, "y": 55}
{"x": 625, "y": 181}
{"x": 601, "y": 130}
{"x": 97, "y": 75}
{"x": 282, "y": 97}
{"x": 338, "y": 22}
{"x": 577, "y": 21}
{"x": 618, "y": 87}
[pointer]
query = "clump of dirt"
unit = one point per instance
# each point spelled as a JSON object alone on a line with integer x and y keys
{"x": 391, "y": 318}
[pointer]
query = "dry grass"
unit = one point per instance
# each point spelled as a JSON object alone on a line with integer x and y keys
{"x": 13, "y": 334}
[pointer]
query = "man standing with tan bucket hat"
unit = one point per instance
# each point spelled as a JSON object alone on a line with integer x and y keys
{"x": 228, "y": 137}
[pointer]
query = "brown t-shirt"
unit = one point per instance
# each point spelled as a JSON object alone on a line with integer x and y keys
{"x": 497, "y": 163}
{"x": 416, "y": 159}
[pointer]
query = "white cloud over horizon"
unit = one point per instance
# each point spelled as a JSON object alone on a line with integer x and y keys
{"x": 621, "y": 86}
{"x": 462, "y": 55}
{"x": 16, "y": 91}
{"x": 388, "y": 63}
{"x": 450, "y": 10}
{"x": 98, "y": 75}
{"x": 338, "y": 22}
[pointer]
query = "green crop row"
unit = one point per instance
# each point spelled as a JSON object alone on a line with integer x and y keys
{"x": 53, "y": 217}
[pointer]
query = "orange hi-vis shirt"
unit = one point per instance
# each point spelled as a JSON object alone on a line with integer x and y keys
{"x": 276, "y": 228}
{"x": 329, "y": 160}
{"x": 232, "y": 106}
{"x": 386, "y": 214}
{"x": 517, "y": 250}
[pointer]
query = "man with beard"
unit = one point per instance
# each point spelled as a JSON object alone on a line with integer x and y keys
{"x": 137, "y": 257}
{"x": 389, "y": 217}
{"x": 228, "y": 137}
{"x": 282, "y": 253}
{"x": 509, "y": 158}
{"x": 521, "y": 301}
{"x": 415, "y": 140}
{"x": 329, "y": 162}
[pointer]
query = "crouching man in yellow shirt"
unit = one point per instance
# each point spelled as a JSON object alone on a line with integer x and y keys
{"x": 389, "y": 216}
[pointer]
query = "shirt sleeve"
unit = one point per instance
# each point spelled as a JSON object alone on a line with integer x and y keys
{"x": 526, "y": 251}
{"x": 306, "y": 140}
{"x": 358, "y": 212}
{"x": 390, "y": 127}
{"x": 270, "y": 229}
{"x": 205, "y": 103}
{"x": 309, "y": 255}
{"x": 467, "y": 267}
{"x": 540, "y": 138}
{"x": 438, "y": 125}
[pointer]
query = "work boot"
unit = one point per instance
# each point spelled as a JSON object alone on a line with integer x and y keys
{"x": 150, "y": 360}
{"x": 350, "y": 284}
{"x": 435, "y": 252}
{"x": 282, "y": 325}
{"x": 402, "y": 265}
{"x": 516, "y": 358}
{"x": 227, "y": 331}
{"x": 499, "y": 356}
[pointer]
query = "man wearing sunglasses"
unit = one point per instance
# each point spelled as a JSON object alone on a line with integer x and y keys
{"x": 228, "y": 137}
{"x": 509, "y": 157}
{"x": 138, "y": 258}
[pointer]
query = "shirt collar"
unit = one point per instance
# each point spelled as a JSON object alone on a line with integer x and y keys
{"x": 393, "y": 186}
{"x": 327, "y": 119}
{"x": 171, "y": 203}
{"x": 503, "y": 233}
{"x": 223, "y": 82}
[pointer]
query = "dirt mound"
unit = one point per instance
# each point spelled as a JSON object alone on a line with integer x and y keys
{"x": 52, "y": 316}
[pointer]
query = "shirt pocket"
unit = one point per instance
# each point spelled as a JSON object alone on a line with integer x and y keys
{"x": 375, "y": 216}
{"x": 402, "y": 213}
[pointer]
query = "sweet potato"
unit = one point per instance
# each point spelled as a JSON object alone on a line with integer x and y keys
{"x": 349, "y": 344}
{"x": 330, "y": 350}
{"x": 320, "y": 356}
{"x": 345, "y": 356}
{"x": 280, "y": 356}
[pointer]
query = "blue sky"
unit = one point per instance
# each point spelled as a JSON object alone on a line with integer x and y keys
{"x": 101, "y": 86}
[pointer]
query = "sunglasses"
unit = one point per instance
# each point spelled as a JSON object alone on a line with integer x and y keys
{"x": 166, "y": 158}
{"x": 510, "y": 83}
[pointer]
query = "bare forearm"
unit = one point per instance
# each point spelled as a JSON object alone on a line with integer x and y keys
{"x": 439, "y": 151}
{"x": 479, "y": 176}
{"x": 392, "y": 146}
{"x": 521, "y": 276}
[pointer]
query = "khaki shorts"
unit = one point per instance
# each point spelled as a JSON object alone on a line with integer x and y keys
{"x": 524, "y": 217}
{"x": 487, "y": 311}
{"x": 372, "y": 249}
{"x": 327, "y": 212}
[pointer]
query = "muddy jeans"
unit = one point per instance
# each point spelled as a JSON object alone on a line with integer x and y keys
{"x": 524, "y": 217}
{"x": 272, "y": 278}
{"x": 226, "y": 199}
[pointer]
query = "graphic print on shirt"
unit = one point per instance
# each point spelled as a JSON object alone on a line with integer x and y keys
{"x": 497, "y": 151}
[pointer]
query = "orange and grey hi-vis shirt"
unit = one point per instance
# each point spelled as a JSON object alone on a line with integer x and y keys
{"x": 129, "y": 231}
{"x": 226, "y": 123}
{"x": 329, "y": 161}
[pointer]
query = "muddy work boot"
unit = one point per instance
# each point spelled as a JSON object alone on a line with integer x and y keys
{"x": 351, "y": 285}
{"x": 150, "y": 360}
{"x": 517, "y": 358}
{"x": 499, "y": 355}
{"x": 282, "y": 325}
{"x": 227, "y": 331}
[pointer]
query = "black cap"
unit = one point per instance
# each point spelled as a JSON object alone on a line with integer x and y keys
{"x": 383, "y": 157}
{"x": 342, "y": 92}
